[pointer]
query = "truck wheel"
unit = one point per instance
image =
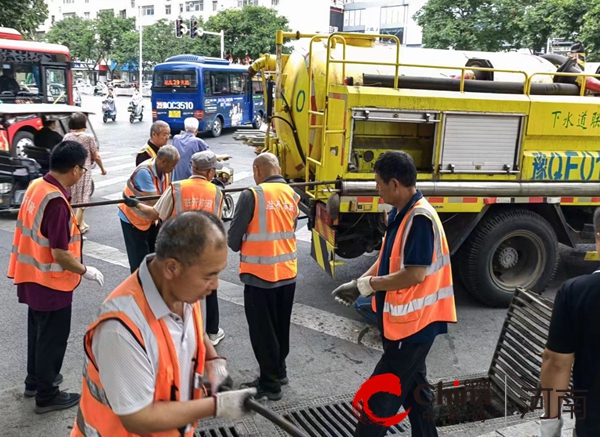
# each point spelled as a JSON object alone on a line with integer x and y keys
{"x": 217, "y": 127}
{"x": 21, "y": 140}
{"x": 508, "y": 250}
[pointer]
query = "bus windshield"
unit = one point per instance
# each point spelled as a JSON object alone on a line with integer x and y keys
{"x": 33, "y": 76}
{"x": 177, "y": 80}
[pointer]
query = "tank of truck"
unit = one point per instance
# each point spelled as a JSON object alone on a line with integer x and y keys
{"x": 295, "y": 81}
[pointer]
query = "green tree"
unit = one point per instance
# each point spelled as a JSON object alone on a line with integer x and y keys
{"x": 110, "y": 31}
{"x": 248, "y": 32}
{"x": 79, "y": 36}
{"x": 23, "y": 15}
{"x": 127, "y": 51}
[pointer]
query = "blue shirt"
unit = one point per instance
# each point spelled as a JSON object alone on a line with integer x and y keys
{"x": 186, "y": 144}
{"x": 142, "y": 182}
{"x": 418, "y": 251}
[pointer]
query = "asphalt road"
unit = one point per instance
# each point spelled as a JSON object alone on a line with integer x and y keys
{"x": 325, "y": 359}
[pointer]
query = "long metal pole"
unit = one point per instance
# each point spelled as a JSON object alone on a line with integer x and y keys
{"x": 227, "y": 190}
{"x": 140, "y": 64}
{"x": 223, "y": 44}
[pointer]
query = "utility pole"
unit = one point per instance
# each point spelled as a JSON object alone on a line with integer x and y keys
{"x": 140, "y": 65}
{"x": 200, "y": 32}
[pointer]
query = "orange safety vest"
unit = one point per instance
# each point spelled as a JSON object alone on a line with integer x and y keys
{"x": 135, "y": 217}
{"x": 149, "y": 150}
{"x": 196, "y": 194}
{"x": 409, "y": 310}
{"x": 269, "y": 245}
{"x": 128, "y": 304}
{"x": 31, "y": 259}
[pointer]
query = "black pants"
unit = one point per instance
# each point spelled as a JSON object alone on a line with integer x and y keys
{"x": 408, "y": 363}
{"x": 138, "y": 243}
{"x": 212, "y": 313}
{"x": 269, "y": 313}
{"x": 47, "y": 335}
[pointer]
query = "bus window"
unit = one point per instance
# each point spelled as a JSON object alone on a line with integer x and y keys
{"x": 257, "y": 87}
{"x": 238, "y": 82}
{"x": 207, "y": 84}
{"x": 220, "y": 83}
{"x": 56, "y": 84}
{"x": 184, "y": 80}
{"x": 20, "y": 82}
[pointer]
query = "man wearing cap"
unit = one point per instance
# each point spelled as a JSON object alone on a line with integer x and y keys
{"x": 195, "y": 193}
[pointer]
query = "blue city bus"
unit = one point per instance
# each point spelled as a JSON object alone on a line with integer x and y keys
{"x": 219, "y": 94}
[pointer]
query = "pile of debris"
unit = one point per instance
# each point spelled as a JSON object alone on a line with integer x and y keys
{"x": 251, "y": 137}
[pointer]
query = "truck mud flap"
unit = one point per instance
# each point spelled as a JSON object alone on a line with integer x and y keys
{"x": 323, "y": 253}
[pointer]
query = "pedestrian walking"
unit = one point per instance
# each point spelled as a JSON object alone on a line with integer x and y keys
{"x": 150, "y": 178}
{"x": 46, "y": 266}
{"x": 187, "y": 144}
{"x": 82, "y": 190}
{"x": 159, "y": 136}
{"x": 194, "y": 194}
{"x": 146, "y": 351}
{"x": 573, "y": 345}
{"x": 263, "y": 231}
{"x": 413, "y": 295}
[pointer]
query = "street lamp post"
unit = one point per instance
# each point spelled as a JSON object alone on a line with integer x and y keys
{"x": 140, "y": 65}
{"x": 201, "y": 32}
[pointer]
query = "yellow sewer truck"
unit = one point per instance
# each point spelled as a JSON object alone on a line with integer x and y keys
{"x": 509, "y": 157}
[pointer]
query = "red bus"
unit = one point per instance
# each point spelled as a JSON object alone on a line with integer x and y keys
{"x": 31, "y": 72}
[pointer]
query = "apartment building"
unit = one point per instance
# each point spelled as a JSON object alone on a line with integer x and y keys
{"x": 312, "y": 16}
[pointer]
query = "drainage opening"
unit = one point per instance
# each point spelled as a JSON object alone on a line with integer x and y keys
{"x": 221, "y": 431}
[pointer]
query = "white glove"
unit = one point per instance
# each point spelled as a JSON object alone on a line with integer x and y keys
{"x": 364, "y": 286}
{"x": 230, "y": 404}
{"x": 551, "y": 427}
{"x": 216, "y": 371}
{"x": 93, "y": 274}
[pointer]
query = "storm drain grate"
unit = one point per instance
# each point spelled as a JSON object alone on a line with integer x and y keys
{"x": 218, "y": 432}
{"x": 329, "y": 419}
{"x": 220, "y": 428}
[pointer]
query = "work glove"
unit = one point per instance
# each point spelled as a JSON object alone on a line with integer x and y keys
{"x": 218, "y": 376}
{"x": 551, "y": 427}
{"x": 93, "y": 274}
{"x": 349, "y": 292}
{"x": 231, "y": 404}
{"x": 130, "y": 201}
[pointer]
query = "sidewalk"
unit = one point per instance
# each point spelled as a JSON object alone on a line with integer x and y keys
{"x": 497, "y": 428}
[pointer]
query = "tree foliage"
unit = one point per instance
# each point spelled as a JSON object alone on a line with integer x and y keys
{"x": 80, "y": 36}
{"x": 23, "y": 15}
{"x": 493, "y": 25}
{"x": 113, "y": 34}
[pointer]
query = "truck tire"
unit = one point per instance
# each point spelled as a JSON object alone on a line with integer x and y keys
{"x": 510, "y": 249}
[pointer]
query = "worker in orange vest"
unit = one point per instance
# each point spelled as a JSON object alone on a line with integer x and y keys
{"x": 46, "y": 266}
{"x": 159, "y": 136}
{"x": 263, "y": 231}
{"x": 150, "y": 178}
{"x": 413, "y": 295}
{"x": 195, "y": 193}
{"x": 146, "y": 352}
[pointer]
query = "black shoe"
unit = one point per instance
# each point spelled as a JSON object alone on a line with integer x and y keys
{"x": 63, "y": 401}
{"x": 31, "y": 389}
{"x": 270, "y": 395}
{"x": 255, "y": 383}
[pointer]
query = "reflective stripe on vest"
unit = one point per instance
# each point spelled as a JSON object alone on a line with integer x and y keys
{"x": 149, "y": 150}
{"x": 135, "y": 216}
{"x": 407, "y": 311}
{"x": 196, "y": 195}
{"x": 269, "y": 245}
{"x": 128, "y": 304}
{"x": 31, "y": 257}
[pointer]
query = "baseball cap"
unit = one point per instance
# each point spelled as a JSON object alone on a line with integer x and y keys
{"x": 206, "y": 160}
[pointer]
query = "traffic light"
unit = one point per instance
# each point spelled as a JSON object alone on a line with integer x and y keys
{"x": 193, "y": 26}
{"x": 179, "y": 28}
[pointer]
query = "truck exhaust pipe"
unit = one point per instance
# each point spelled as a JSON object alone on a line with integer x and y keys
{"x": 483, "y": 189}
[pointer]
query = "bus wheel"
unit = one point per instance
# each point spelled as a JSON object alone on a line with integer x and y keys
{"x": 257, "y": 121}
{"x": 21, "y": 140}
{"x": 509, "y": 249}
{"x": 217, "y": 127}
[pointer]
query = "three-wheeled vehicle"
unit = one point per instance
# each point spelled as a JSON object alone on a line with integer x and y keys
{"x": 17, "y": 172}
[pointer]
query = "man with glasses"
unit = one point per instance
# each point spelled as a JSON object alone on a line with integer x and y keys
{"x": 45, "y": 265}
{"x": 159, "y": 136}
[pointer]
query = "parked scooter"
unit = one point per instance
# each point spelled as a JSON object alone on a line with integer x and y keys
{"x": 100, "y": 89}
{"x": 109, "y": 109}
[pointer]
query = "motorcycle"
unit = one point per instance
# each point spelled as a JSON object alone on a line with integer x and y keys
{"x": 136, "y": 110}
{"x": 109, "y": 110}
{"x": 223, "y": 178}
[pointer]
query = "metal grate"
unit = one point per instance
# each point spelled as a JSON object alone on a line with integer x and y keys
{"x": 330, "y": 417}
{"x": 518, "y": 355}
{"x": 221, "y": 428}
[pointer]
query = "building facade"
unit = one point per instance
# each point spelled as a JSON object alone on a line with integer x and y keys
{"x": 313, "y": 16}
{"x": 387, "y": 17}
